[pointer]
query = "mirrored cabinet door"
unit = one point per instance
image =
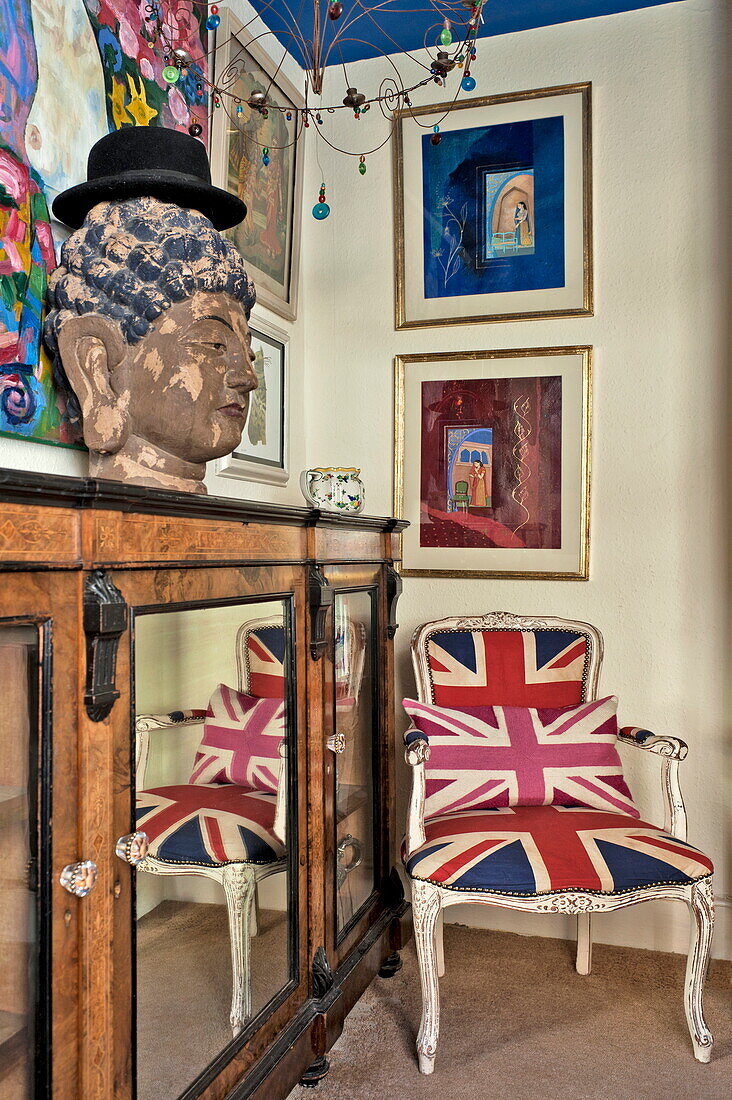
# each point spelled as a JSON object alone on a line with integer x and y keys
{"x": 215, "y": 835}
{"x": 355, "y": 724}
{"x": 21, "y": 867}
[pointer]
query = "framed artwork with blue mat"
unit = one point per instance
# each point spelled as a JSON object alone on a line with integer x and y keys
{"x": 493, "y": 209}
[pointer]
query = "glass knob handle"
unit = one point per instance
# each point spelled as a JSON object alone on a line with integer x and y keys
{"x": 79, "y": 878}
{"x": 133, "y": 848}
{"x": 337, "y": 743}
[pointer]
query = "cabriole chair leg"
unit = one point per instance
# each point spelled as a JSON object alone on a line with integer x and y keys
{"x": 584, "y": 943}
{"x": 426, "y": 907}
{"x": 701, "y": 910}
{"x": 239, "y": 885}
{"x": 440, "y": 943}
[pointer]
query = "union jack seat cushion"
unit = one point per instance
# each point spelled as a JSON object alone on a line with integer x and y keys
{"x": 265, "y": 656}
{"x": 485, "y": 757}
{"x": 510, "y": 668}
{"x": 241, "y": 741}
{"x": 210, "y": 824}
{"x": 539, "y": 849}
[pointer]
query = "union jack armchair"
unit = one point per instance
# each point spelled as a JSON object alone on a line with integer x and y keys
{"x": 555, "y": 857}
{"x": 225, "y": 832}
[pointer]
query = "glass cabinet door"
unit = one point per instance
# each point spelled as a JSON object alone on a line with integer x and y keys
{"x": 216, "y": 833}
{"x": 356, "y": 718}
{"x": 21, "y": 687}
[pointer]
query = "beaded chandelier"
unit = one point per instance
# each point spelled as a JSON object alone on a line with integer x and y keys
{"x": 449, "y": 42}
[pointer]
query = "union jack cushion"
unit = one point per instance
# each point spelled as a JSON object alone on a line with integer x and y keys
{"x": 241, "y": 741}
{"x": 265, "y": 656}
{"x": 538, "y": 849}
{"x": 483, "y": 757}
{"x": 210, "y": 824}
{"x": 510, "y": 668}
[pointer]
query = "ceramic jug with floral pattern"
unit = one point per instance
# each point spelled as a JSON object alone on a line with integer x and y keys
{"x": 333, "y": 488}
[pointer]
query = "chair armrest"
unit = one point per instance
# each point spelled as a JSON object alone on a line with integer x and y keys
{"x": 672, "y": 747}
{"x": 415, "y": 737}
{"x": 417, "y": 751}
{"x": 146, "y": 723}
{"x": 672, "y": 750}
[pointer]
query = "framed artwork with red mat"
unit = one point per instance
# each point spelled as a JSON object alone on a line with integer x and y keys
{"x": 492, "y": 462}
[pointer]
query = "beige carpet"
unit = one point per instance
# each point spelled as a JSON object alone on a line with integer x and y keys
{"x": 519, "y": 1022}
{"x": 184, "y": 989}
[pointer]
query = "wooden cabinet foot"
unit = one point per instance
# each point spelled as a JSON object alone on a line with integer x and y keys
{"x": 391, "y": 965}
{"x": 315, "y": 1073}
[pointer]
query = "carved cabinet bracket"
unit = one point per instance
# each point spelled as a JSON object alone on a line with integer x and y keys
{"x": 105, "y": 620}
{"x": 320, "y": 599}
{"x": 323, "y": 979}
{"x": 392, "y": 889}
{"x": 394, "y": 587}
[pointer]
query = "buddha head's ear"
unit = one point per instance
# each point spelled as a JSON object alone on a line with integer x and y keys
{"x": 93, "y": 351}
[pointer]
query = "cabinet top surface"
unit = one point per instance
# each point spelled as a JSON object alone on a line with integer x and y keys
{"x": 51, "y": 491}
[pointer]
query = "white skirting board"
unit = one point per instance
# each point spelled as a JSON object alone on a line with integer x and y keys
{"x": 655, "y": 925}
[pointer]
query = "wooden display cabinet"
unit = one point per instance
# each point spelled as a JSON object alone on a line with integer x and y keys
{"x": 219, "y": 955}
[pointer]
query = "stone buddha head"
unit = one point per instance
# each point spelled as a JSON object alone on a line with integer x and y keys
{"x": 149, "y": 308}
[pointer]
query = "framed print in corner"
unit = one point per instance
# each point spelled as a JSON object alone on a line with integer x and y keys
{"x": 494, "y": 221}
{"x": 492, "y": 463}
{"x": 269, "y": 236}
{"x": 263, "y": 452}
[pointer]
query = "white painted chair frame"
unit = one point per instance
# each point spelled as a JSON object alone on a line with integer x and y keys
{"x": 430, "y": 901}
{"x": 238, "y": 880}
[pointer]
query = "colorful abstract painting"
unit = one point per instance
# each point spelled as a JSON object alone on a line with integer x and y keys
{"x": 27, "y": 402}
{"x": 70, "y": 71}
{"x": 492, "y": 462}
{"x": 133, "y": 61}
{"x": 492, "y": 211}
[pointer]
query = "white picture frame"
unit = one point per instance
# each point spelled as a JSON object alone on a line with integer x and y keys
{"x": 263, "y": 454}
{"x": 259, "y": 237}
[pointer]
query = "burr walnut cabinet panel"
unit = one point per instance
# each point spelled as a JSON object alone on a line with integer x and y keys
{"x": 196, "y": 789}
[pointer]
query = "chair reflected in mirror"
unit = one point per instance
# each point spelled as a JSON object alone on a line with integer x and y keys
{"x": 228, "y": 823}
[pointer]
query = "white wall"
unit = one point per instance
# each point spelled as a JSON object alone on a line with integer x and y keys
{"x": 658, "y": 586}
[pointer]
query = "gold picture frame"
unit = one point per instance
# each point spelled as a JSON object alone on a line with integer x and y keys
{"x": 573, "y": 298}
{"x": 269, "y": 236}
{"x": 428, "y": 545}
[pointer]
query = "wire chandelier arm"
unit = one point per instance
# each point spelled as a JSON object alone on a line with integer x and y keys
{"x": 449, "y": 43}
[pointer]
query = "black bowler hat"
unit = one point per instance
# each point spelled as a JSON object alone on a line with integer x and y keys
{"x": 149, "y": 160}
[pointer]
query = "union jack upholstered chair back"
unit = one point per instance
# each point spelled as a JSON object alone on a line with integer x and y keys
{"x": 260, "y": 655}
{"x": 221, "y": 830}
{"x": 260, "y": 652}
{"x": 506, "y": 660}
{"x": 518, "y": 798}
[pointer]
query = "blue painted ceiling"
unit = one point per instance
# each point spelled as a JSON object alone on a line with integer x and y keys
{"x": 401, "y": 27}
